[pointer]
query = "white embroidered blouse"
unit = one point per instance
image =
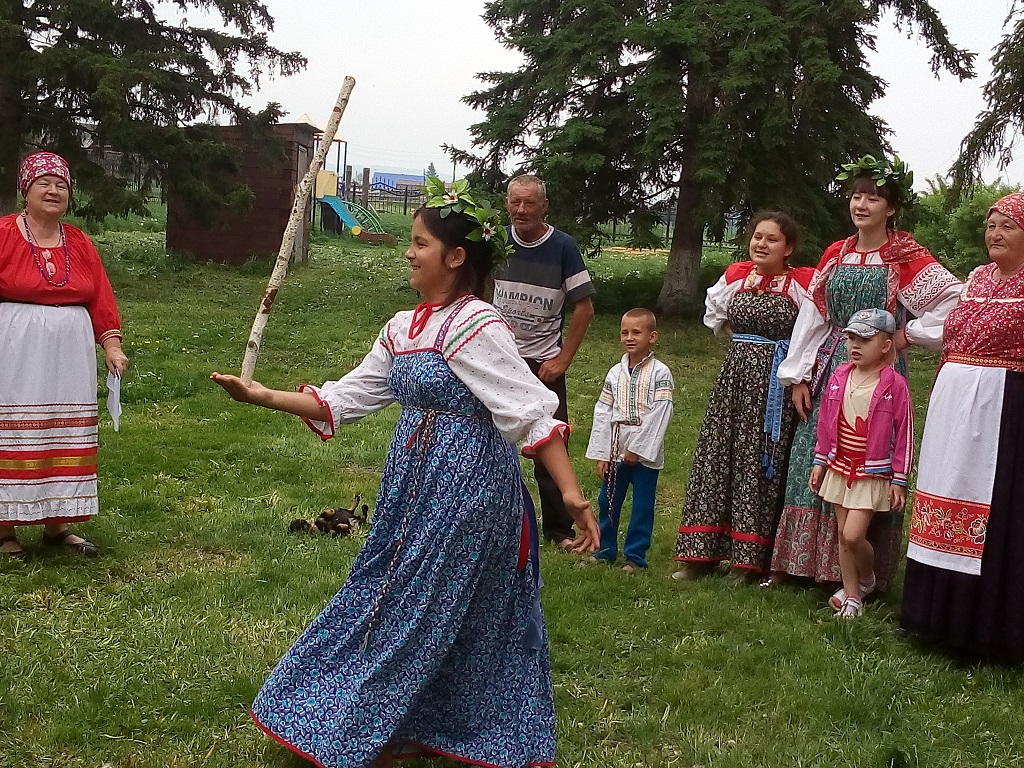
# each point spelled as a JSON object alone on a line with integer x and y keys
{"x": 480, "y": 350}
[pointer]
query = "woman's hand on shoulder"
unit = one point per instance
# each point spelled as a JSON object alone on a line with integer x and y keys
{"x": 589, "y": 535}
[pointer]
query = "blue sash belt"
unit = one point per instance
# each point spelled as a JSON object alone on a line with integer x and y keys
{"x": 774, "y": 403}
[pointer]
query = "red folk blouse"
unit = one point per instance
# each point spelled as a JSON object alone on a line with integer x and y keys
{"x": 22, "y": 281}
{"x": 987, "y": 326}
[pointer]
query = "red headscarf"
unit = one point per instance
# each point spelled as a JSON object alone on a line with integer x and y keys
{"x": 42, "y": 164}
{"x": 1012, "y": 206}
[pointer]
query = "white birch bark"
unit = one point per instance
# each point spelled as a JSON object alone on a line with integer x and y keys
{"x": 252, "y": 347}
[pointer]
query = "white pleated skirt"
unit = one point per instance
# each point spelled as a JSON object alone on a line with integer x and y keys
{"x": 48, "y": 414}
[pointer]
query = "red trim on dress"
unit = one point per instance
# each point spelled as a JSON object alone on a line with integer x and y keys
{"x": 323, "y": 404}
{"x": 750, "y": 538}
{"x": 562, "y": 429}
{"x": 423, "y": 750}
{"x": 86, "y": 471}
{"x": 284, "y": 743}
{"x": 428, "y": 751}
{"x": 524, "y": 545}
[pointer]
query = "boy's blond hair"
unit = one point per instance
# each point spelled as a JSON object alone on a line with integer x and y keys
{"x": 644, "y": 315}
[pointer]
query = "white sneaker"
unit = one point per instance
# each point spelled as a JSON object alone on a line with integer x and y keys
{"x": 852, "y": 608}
{"x": 839, "y": 596}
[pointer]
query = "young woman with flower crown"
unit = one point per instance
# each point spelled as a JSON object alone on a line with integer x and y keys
{"x": 878, "y": 267}
{"x": 436, "y": 643}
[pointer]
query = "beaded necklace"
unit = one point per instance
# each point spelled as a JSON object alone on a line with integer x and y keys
{"x": 50, "y": 269}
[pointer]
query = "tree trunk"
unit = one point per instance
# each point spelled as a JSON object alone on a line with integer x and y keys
{"x": 11, "y": 123}
{"x": 680, "y": 292}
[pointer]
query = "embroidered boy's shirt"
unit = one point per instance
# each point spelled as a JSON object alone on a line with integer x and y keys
{"x": 633, "y": 412}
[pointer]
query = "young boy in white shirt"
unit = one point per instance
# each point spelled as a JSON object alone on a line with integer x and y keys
{"x": 628, "y": 436}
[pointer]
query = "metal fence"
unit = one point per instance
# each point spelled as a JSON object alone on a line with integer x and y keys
{"x": 387, "y": 199}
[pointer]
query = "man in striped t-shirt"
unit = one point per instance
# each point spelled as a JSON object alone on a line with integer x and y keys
{"x": 545, "y": 272}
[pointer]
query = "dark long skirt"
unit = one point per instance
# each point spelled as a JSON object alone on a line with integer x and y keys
{"x": 982, "y": 617}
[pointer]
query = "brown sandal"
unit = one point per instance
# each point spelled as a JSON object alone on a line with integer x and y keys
{"x": 17, "y": 553}
{"x": 83, "y": 547}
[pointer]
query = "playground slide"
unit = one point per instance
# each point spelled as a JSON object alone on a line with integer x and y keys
{"x": 339, "y": 207}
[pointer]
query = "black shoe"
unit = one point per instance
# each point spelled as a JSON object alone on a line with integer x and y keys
{"x": 83, "y": 547}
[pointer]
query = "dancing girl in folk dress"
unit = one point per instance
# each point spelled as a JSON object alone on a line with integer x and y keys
{"x": 878, "y": 267}
{"x": 964, "y": 584}
{"x": 436, "y": 643}
{"x": 734, "y": 497}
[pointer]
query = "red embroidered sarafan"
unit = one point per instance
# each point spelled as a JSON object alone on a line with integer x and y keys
{"x": 987, "y": 326}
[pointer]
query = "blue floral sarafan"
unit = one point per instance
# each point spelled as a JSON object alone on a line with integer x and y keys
{"x": 435, "y": 644}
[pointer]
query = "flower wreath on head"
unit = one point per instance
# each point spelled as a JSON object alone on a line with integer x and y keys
{"x": 884, "y": 172}
{"x": 459, "y": 198}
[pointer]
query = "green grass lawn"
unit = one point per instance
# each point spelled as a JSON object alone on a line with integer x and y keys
{"x": 149, "y": 656}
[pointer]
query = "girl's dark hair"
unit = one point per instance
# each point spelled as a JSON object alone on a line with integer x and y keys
{"x": 452, "y": 231}
{"x": 787, "y": 225}
{"x": 867, "y": 186}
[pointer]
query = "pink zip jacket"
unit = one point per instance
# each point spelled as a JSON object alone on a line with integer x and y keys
{"x": 890, "y": 440}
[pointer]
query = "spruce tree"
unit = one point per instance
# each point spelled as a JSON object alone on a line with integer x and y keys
{"x": 710, "y": 108}
{"x": 1000, "y": 124}
{"x": 133, "y": 76}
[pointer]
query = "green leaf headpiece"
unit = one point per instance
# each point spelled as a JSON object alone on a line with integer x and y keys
{"x": 883, "y": 172}
{"x": 459, "y": 198}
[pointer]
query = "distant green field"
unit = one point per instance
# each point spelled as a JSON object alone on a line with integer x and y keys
{"x": 149, "y": 656}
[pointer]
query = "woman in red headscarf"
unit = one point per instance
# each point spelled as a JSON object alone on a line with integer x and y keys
{"x": 56, "y": 303}
{"x": 964, "y": 585}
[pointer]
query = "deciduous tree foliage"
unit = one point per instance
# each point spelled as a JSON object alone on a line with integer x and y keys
{"x": 134, "y": 76}
{"x": 999, "y": 126}
{"x": 952, "y": 226}
{"x": 719, "y": 106}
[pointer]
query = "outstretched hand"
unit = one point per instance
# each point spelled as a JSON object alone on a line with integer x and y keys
{"x": 589, "y": 536}
{"x": 238, "y": 389}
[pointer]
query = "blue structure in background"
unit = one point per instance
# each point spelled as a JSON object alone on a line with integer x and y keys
{"x": 398, "y": 180}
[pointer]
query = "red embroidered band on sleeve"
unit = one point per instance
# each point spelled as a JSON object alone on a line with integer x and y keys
{"x": 323, "y": 434}
{"x": 562, "y": 430}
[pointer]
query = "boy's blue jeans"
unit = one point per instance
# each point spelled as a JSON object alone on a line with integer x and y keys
{"x": 641, "y": 521}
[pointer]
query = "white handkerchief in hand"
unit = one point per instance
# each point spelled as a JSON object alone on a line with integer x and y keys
{"x": 114, "y": 399}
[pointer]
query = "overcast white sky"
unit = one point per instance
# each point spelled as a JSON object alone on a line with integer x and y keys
{"x": 414, "y": 60}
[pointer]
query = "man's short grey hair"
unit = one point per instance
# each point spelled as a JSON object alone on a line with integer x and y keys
{"x": 529, "y": 178}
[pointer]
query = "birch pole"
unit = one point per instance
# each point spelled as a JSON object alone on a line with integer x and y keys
{"x": 252, "y": 347}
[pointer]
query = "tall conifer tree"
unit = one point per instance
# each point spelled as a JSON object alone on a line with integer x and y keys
{"x": 1001, "y": 123}
{"x": 717, "y": 107}
{"x": 134, "y": 76}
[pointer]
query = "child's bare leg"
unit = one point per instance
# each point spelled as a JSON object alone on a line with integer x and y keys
{"x": 856, "y": 555}
{"x": 847, "y": 562}
{"x": 385, "y": 759}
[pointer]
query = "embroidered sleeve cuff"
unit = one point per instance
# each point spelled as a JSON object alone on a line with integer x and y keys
{"x": 899, "y": 479}
{"x": 109, "y": 335}
{"x": 325, "y": 429}
{"x": 820, "y": 460}
{"x": 560, "y": 430}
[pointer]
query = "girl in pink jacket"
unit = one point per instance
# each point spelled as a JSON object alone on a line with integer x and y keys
{"x": 864, "y": 449}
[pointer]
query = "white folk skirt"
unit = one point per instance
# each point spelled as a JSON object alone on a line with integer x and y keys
{"x": 48, "y": 414}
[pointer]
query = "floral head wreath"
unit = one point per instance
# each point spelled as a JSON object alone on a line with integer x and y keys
{"x": 884, "y": 172}
{"x": 459, "y": 198}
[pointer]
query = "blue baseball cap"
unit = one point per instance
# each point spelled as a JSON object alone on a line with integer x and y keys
{"x": 867, "y": 322}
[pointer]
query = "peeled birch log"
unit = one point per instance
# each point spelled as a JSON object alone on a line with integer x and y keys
{"x": 252, "y": 347}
